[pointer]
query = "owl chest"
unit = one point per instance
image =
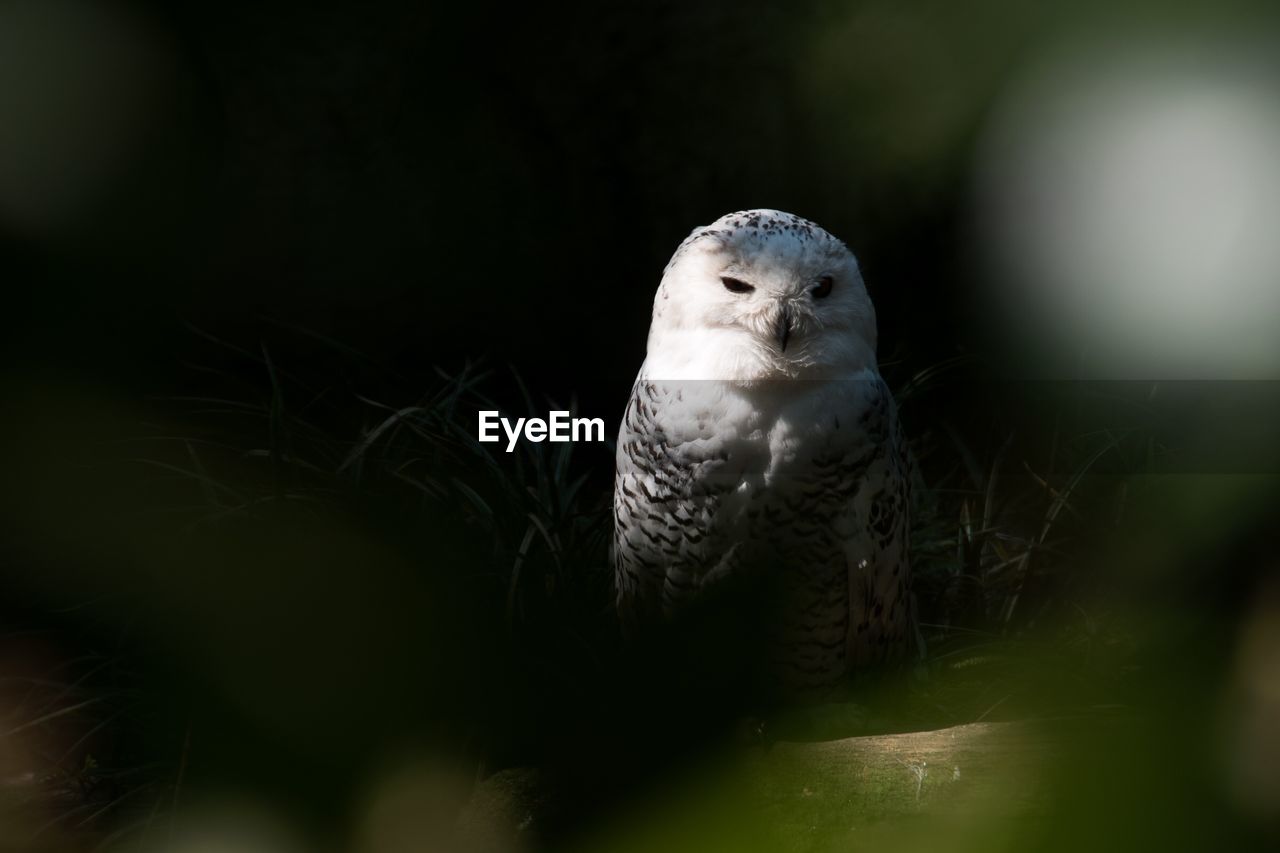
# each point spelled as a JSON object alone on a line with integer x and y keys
{"x": 767, "y": 485}
{"x": 744, "y": 469}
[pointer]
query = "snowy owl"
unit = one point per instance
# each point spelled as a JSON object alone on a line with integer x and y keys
{"x": 760, "y": 451}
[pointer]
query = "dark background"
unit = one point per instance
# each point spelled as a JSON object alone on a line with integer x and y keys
{"x": 430, "y": 182}
{"x": 225, "y": 228}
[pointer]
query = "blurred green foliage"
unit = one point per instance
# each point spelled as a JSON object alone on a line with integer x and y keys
{"x": 252, "y": 550}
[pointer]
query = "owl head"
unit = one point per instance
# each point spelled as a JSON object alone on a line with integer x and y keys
{"x": 760, "y": 295}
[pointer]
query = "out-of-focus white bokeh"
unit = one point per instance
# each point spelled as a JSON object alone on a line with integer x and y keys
{"x": 79, "y": 85}
{"x": 1128, "y": 203}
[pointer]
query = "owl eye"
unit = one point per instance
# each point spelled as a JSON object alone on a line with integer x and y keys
{"x": 735, "y": 285}
{"x": 823, "y": 289}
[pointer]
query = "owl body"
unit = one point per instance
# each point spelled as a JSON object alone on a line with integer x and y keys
{"x": 760, "y": 462}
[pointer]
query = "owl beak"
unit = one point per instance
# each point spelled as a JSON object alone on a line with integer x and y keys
{"x": 783, "y": 330}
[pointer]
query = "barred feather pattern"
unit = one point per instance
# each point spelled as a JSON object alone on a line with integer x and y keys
{"x": 803, "y": 483}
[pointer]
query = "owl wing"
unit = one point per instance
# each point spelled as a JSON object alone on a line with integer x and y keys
{"x": 877, "y": 553}
{"x": 673, "y": 474}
